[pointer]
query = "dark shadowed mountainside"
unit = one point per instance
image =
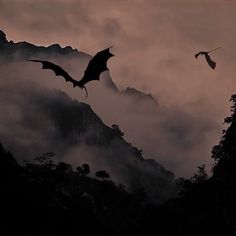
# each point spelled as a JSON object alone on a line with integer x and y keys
{"x": 51, "y": 121}
{"x": 48, "y": 198}
{"x": 35, "y": 120}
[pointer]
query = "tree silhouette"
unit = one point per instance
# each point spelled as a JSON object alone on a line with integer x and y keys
{"x": 45, "y": 160}
{"x": 117, "y": 130}
{"x": 201, "y": 174}
{"x": 102, "y": 174}
{"x": 83, "y": 170}
{"x": 64, "y": 168}
{"x": 226, "y": 146}
{"x": 69, "y": 202}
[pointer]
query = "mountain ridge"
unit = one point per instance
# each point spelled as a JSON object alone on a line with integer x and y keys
{"x": 71, "y": 127}
{"x": 25, "y": 50}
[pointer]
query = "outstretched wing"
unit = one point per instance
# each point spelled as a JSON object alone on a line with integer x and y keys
{"x": 58, "y": 71}
{"x": 197, "y": 55}
{"x": 96, "y": 66}
{"x": 211, "y": 63}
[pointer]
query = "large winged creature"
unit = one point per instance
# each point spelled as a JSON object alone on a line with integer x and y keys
{"x": 210, "y": 62}
{"x": 95, "y": 67}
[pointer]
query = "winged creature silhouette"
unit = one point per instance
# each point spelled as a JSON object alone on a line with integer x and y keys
{"x": 95, "y": 67}
{"x": 210, "y": 62}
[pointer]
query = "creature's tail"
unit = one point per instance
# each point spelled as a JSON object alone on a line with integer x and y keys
{"x": 81, "y": 86}
{"x": 213, "y": 49}
{"x": 86, "y": 91}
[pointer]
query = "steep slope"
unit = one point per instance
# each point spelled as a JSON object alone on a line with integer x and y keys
{"x": 48, "y": 198}
{"x": 35, "y": 120}
{"x": 51, "y": 121}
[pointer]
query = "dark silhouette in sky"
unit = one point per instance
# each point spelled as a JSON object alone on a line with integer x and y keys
{"x": 210, "y": 62}
{"x": 95, "y": 67}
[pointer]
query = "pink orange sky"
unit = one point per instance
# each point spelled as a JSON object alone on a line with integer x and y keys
{"x": 154, "y": 45}
{"x": 154, "y": 41}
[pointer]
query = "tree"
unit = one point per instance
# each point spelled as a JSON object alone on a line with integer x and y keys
{"x": 102, "y": 174}
{"x": 225, "y": 152}
{"x": 201, "y": 175}
{"x": 117, "y": 130}
{"x": 227, "y": 143}
{"x": 45, "y": 160}
{"x": 224, "y": 170}
{"x": 64, "y": 168}
{"x": 86, "y": 169}
{"x": 83, "y": 170}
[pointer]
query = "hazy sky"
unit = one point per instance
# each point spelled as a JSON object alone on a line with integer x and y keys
{"x": 154, "y": 41}
{"x": 154, "y": 45}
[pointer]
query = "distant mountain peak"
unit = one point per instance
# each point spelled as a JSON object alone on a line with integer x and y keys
{"x": 3, "y": 38}
{"x": 24, "y": 50}
{"x": 139, "y": 95}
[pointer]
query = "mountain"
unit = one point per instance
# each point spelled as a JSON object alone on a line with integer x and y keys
{"x": 57, "y": 192}
{"x": 36, "y": 119}
{"x": 25, "y": 50}
{"x": 11, "y": 51}
{"x": 139, "y": 96}
{"x": 51, "y": 198}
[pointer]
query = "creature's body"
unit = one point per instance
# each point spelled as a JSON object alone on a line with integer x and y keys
{"x": 96, "y": 66}
{"x": 210, "y": 62}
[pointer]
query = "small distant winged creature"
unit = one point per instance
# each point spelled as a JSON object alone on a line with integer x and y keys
{"x": 210, "y": 62}
{"x": 95, "y": 67}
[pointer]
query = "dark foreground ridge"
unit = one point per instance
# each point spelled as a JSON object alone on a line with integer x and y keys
{"x": 47, "y": 198}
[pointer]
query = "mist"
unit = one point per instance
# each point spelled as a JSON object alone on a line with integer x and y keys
{"x": 37, "y": 119}
{"x": 154, "y": 53}
{"x": 180, "y": 138}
